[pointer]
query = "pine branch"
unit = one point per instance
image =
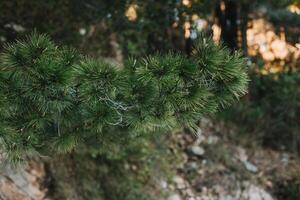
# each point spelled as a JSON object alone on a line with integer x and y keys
{"x": 54, "y": 99}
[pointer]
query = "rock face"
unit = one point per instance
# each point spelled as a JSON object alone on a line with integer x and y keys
{"x": 175, "y": 197}
{"x": 197, "y": 150}
{"x": 253, "y": 192}
{"x": 23, "y": 183}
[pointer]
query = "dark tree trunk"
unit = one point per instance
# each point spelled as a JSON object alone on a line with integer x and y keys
{"x": 227, "y": 15}
{"x": 188, "y": 46}
{"x": 243, "y": 27}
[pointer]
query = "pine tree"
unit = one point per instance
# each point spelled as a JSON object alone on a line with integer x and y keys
{"x": 53, "y": 99}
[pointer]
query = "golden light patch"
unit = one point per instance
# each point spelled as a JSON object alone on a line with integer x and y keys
{"x": 187, "y": 3}
{"x": 131, "y": 12}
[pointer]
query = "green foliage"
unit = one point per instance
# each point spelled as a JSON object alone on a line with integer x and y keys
{"x": 272, "y": 110}
{"x": 288, "y": 189}
{"x": 284, "y": 17}
{"x": 159, "y": 24}
{"x": 55, "y": 99}
{"x": 271, "y": 3}
{"x": 101, "y": 19}
{"x": 288, "y": 21}
{"x": 130, "y": 174}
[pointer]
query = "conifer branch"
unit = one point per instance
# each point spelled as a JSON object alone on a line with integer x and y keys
{"x": 53, "y": 99}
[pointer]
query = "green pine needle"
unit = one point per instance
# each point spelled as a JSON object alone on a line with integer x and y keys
{"x": 53, "y": 99}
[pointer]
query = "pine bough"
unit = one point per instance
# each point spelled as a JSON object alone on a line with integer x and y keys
{"x": 53, "y": 99}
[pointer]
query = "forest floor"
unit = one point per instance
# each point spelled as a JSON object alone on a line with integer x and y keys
{"x": 222, "y": 164}
{"x": 218, "y": 163}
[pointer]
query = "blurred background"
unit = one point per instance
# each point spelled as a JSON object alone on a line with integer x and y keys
{"x": 250, "y": 151}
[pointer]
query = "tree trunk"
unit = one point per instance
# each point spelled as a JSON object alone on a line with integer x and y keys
{"x": 243, "y": 28}
{"x": 226, "y": 13}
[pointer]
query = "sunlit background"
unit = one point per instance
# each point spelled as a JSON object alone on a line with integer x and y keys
{"x": 248, "y": 152}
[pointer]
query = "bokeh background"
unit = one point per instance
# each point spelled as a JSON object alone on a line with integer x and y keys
{"x": 249, "y": 151}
